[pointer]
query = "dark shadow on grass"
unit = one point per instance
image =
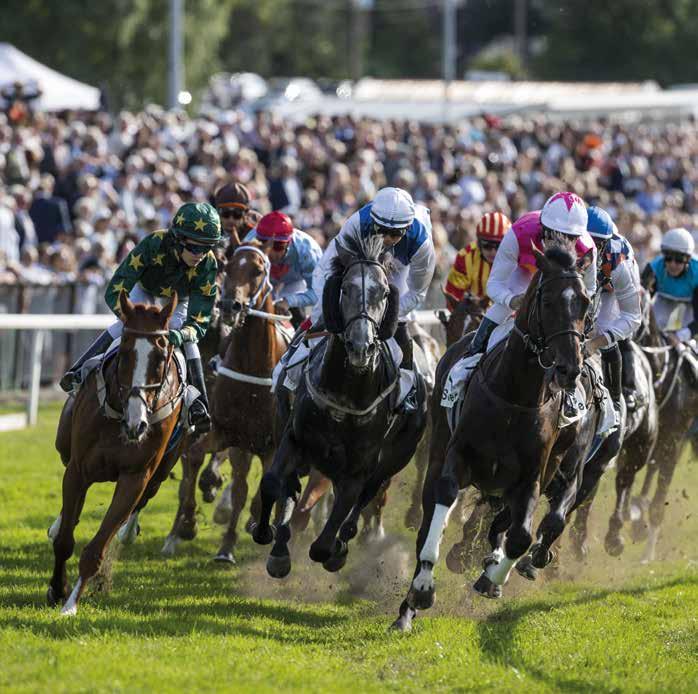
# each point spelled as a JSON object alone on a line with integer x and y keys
{"x": 497, "y": 632}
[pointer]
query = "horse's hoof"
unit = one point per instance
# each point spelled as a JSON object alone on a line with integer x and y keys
{"x": 614, "y": 545}
{"x": 403, "y": 624}
{"x": 335, "y": 563}
{"x": 526, "y": 568}
{"x": 485, "y": 587}
{"x": 318, "y": 553}
{"x": 279, "y": 567}
{"x": 263, "y": 535}
{"x": 348, "y": 531}
{"x": 250, "y": 525}
{"x": 492, "y": 558}
{"x": 52, "y": 599}
{"x": 187, "y": 531}
{"x": 540, "y": 557}
{"x": 225, "y": 558}
{"x": 455, "y": 561}
{"x": 221, "y": 515}
{"x": 170, "y": 546}
{"x": 423, "y": 599}
{"x": 127, "y": 535}
{"x": 580, "y": 551}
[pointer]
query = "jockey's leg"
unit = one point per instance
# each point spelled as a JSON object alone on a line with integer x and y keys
{"x": 404, "y": 341}
{"x": 496, "y": 314}
{"x": 611, "y": 360}
{"x": 72, "y": 377}
{"x": 199, "y": 417}
{"x": 628, "y": 373}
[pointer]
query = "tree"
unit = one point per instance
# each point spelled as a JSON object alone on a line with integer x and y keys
{"x": 620, "y": 40}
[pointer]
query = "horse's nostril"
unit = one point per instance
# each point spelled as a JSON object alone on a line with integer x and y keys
{"x": 142, "y": 426}
{"x": 237, "y": 306}
{"x": 371, "y": 348}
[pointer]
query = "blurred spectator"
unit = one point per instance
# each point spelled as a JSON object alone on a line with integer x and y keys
{"x": 48, "y": 213}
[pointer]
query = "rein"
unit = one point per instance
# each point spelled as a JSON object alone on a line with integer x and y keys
{"x": 363, "y": 313}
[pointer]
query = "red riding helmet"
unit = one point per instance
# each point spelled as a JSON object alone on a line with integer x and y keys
{"x": 275, "y": 226}
{"x": 492, "y": 226}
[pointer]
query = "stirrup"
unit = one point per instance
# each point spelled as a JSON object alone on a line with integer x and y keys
{"x": 199, "y": 417}
{"x": 70, "y": 381}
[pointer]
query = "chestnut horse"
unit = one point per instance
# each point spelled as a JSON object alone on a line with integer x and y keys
{"x": 117, "y": 429}
{"x": 242, "y": 405}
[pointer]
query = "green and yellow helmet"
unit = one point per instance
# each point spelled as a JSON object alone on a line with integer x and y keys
{"x": 197, "y": 221}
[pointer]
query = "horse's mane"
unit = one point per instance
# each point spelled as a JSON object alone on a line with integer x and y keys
{"x": 369, "y": 248}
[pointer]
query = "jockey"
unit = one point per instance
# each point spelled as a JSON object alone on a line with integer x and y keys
{"x": 471, "y": 268}
{"x": 672, "y": 278}
{"x": 618, "y": 315}
{"x": 406, "y": 231}
{"x": 294, "y": 256}
{"x": 563, "y": 215}
{"x": 179, "y": 259}
{"x": 233, "y": 204}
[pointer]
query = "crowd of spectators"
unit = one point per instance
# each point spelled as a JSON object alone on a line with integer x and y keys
{"x": 76, "y": 193}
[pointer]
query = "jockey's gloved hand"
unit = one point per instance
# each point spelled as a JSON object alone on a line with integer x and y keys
{"x": 516, "y": 302}
{"x": 175, "y": 337}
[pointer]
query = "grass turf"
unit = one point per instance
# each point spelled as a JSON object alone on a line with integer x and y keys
{"x": 184, "y": 623}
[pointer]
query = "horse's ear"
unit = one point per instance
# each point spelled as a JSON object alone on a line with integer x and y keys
{"x": 541, "y": 260}
{"x": 125, "y": 305}
{"x": 167, "y": 310}
{"x": 392, "y": 311}
{"x": 331, "y": 310}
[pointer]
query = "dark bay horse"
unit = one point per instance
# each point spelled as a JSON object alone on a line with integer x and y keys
{"x": 242, "y": 405}
{"x": 507, "y": 441}
{"x": 465, "y": 317}
{"x": 673, "y": 369}
{"x": 343, "y": 422}
{"x": 117, "y": 429}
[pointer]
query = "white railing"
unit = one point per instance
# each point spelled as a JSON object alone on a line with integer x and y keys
{"x": 39, "y": 323}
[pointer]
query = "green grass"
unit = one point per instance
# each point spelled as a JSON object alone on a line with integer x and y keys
{"x": 185, "y": 624}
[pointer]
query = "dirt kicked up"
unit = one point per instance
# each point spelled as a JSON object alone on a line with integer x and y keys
{"x": 166, "y": 625}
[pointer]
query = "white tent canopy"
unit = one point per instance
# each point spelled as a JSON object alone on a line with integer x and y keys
{"x": 58, "y": 91}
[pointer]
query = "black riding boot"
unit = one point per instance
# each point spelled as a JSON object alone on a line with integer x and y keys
{"x": 482, "y": 336}
{"x": 199, "y": 417}
{"x": 612, "y": 372}
{"x": 71, "y": 379}
{"x": 404, "y": 341}
{"x": 628, "y": 374}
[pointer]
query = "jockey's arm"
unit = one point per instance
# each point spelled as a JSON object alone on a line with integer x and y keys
{"x": 309, "y": 254}
{"x": 505, "y": 263}
{"x": 131, "y": 269}
{"x": 626, "y": 290}
{"x": 421, "y": 272}
{"x": 202, "y": 296}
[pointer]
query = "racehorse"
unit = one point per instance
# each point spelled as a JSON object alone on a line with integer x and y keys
{"x": 673, "y": 369}
{"x": 242, "y": 406}
{"x": 507, "y": 441}
{"x": 344, "y": 422}
{"x": 117, "y": 429}
{"x": 465, "y": 317}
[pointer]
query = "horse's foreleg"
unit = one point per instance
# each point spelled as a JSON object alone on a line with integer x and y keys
{"x": 372, "y": 514}
{"x": 318, "y": 485}
{"x": 628, "y": 465}
{"x": 211, "y": 480}
{"x": 279, "y": 561}
{"x": 129, "y": 489}
{"x": 460, "y": 553}
{"x": 62, "y": 532}
{"x": 238, "y": 498}
{"x": 413, "y": 516}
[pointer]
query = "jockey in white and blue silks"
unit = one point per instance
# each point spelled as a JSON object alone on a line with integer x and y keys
{"x": 294, "y": 256}
{"x": 617, "y": 305}
{"x": 406, "y": 231}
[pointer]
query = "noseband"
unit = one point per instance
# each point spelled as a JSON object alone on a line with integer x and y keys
{"x": 363, "y": 313}
{"x": 540, "y": 343}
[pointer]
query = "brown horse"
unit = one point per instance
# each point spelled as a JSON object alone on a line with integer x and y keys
{"x": 507, "y": 441}
{"x": 464, "y": 318}
{"x": 242, "y": 405}
{"x": 117, "y": 429}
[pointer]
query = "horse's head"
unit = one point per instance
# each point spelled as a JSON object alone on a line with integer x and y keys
{"x": 465, "y": 317}
{"x": 358, "y": 302}
{"x": 143, "y": 362}
{"x": 553, "y": 314}
{"x": 246, "y": 283}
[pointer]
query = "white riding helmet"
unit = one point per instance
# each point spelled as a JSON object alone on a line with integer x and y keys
{"x": 393, "y": 208}
{"x": 678, "y": 240}
{"x": 565, "y": 212}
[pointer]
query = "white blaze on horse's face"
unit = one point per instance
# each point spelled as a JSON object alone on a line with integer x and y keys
{"x": 364, "y": 291}
{"x": 136, "y": 410}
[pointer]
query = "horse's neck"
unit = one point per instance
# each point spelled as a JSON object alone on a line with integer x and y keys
{"x": 252, "y": 347}
{"x": 516, "y": 378}
{"x": 338, "y": 377}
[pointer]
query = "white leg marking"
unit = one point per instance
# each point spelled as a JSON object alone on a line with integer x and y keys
{"x": 170, "y": 546}
{"x": 71, "y": 606}
{"x": 650, "y": 549}
{"x": 128, "y": 532}
{"x": 55, "y": 528}
{"x": 221, "y": 514}
{"x": 424, "y": 580}
{"x": 439, "y": 521}
{"x": 499, "y": 573}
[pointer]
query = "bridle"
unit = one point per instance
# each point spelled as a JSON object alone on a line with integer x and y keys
{"x": 363, "y": 312}
{"x": 258, "y": 297}
{"x": 540, "y": 343}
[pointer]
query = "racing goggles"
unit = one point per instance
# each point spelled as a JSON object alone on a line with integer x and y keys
{"x": 489, "y": 245}
{"x": 279, "y": 246}
{"x": 234, "y": 212}
{"x": 679, "y": 258}
{"x": 389, "y": 231}
{"x": 195, "y": 248}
